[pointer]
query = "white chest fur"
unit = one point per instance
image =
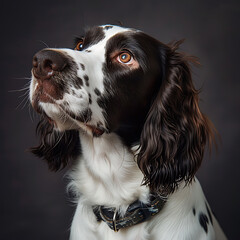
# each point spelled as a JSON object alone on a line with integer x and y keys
{"x": 106, "y": 173}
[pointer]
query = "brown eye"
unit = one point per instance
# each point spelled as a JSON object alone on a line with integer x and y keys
{"x": 125, "y": 57}
{"x": 79, "y": 46}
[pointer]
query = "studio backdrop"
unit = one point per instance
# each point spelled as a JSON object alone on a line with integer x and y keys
{"x": 34, "y": 203}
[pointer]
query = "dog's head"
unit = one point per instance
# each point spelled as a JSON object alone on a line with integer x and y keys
{"x": 123, "y": 81}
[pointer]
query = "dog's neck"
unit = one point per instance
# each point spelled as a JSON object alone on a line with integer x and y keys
{"x": 107, "y": 173}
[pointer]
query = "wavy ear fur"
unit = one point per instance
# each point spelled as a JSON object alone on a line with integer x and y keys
{"x": 175, "y": 132}
{"x": 57, "y": 148}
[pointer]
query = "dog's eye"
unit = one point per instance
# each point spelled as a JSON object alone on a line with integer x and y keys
{"x": 124, "y": 57}
{"x": 79, "y": 46}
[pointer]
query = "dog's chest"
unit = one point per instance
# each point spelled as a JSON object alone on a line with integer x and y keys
{"x": 107, "y": 173}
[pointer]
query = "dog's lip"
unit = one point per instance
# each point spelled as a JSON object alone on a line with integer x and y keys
{"x": 38, "y": 97}
{"x": 42, "y": 77}
{"x": 42, "y": 96}
{"x": 96, "y": 131}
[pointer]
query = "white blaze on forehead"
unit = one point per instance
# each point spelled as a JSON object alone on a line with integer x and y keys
{"x": 112, "y": 30}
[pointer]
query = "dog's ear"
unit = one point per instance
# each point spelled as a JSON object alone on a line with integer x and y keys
{"x": 57, "y": 148}
{"x": 175, "y": 132}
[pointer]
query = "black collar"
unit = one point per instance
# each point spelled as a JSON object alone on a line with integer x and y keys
{"x": 137, "y": 212}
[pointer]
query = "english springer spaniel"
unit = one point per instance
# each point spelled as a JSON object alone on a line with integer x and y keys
{"x": 122, "y": 108}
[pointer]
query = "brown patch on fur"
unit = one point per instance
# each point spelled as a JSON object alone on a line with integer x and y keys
{"x": 176, "y": 131}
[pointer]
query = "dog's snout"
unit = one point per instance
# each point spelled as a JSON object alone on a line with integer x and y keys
{"x": 46, "y": 62}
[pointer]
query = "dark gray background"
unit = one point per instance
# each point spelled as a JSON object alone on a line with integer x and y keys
{"x": 33, "y": 200}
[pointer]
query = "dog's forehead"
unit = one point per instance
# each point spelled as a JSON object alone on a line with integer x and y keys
{"x": 111, "y": 30}
{"x": 99, "y": 35}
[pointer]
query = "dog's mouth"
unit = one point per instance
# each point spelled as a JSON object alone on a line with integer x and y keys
{"x": 40, "y": 96}
{"x": 96, "y": 131}
{"x": 59, "y": 115}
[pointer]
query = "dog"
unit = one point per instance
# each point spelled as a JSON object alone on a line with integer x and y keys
{"x": 121, "y": 111}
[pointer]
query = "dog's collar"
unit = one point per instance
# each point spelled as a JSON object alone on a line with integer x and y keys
{"x": 137, "y": 212}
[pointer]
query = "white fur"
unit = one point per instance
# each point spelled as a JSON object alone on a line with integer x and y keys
{"x": 107, "y": 175}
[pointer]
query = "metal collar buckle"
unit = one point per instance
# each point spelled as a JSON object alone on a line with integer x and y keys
{"x": 114, "y": 221}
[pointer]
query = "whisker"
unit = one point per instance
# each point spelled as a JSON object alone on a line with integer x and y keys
{"x": 31, "y": 112}
{"x": 43, "y": 43}
{"x": 24, "y": 101}
{"x": 26, "y": 93}
{"x": 18, "y": 90}
{"x": 23, "y": 78}
{"x": 25, "y": 87}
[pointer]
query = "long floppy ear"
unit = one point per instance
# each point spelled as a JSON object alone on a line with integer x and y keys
{"x": 175, "y": 132}
{"x": 57, "y": 148}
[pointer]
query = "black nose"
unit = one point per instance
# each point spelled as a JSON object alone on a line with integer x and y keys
{"x": 46, "y": 62}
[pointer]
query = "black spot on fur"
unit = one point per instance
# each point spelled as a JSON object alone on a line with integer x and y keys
{"x": 98, "y": 93}
{"x": 82, "y": 66}
{"x": 209, "y": 214}
{"x": 89, "y": 114}
{"x": 194, "y": 211}
{"x": 101, "y": 103}
{"x": 90, "y": 98}
{"x": 84, "y": 116}
{"x": 108, "y": 27}
{"x": 78, "y": 83}
{"x": 93, "y": 36}
{"x": 88, "y": 51}
{"x": 203, "y": 220}
{"x": 86, "y": 78}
